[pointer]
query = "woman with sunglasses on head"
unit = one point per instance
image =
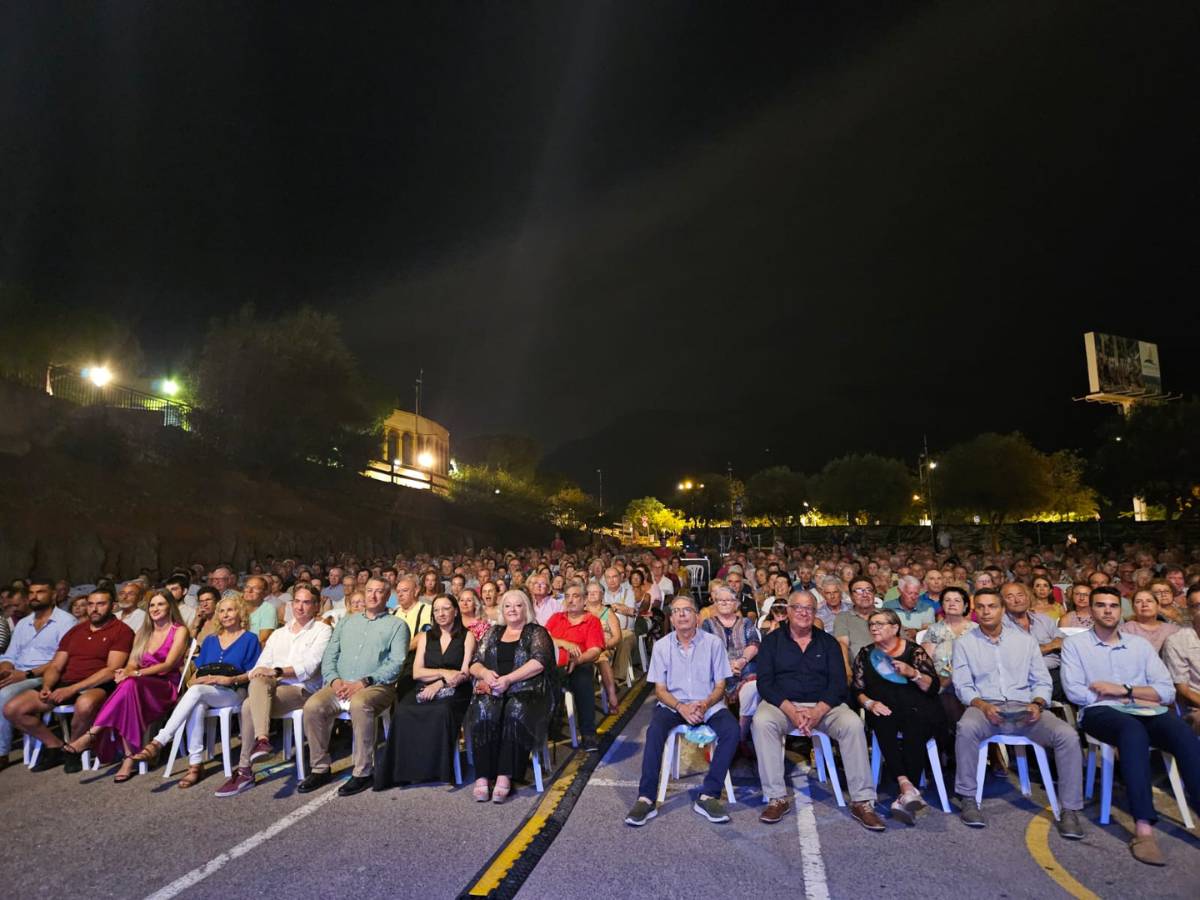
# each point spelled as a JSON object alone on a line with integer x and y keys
{"x": 896, "y": 683}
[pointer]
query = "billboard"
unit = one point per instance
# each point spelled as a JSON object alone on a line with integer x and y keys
{"x": 1120, "y": 365}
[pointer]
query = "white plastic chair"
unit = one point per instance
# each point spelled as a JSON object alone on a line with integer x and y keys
{"x": 1107, "y": 754}
{"x": 32, "y": 747}
{"x": 293, "y": 739}
{"x": 921, "y": 635}
{"x": 670, "y": 763}
{"x": 1020, "y": 742}
{"x": 642, "y": 640}
{"x": 569, "y": 706}
{"x": 823, "y": 754}
{"x": 935, "y": 764}
{"x": 539, "y": 757}
{"x": 222, "y": 714}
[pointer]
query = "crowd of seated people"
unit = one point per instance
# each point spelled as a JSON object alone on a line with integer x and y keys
{"x": 899, "y": 645}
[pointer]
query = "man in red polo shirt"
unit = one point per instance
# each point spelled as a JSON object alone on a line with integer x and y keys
{"x": 81, "y": 673}
{"x": 579, "y": 637}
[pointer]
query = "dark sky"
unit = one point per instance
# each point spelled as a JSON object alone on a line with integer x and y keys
{"x": 656, "y": 236}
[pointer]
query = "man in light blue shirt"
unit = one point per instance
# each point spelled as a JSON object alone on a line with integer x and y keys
{"x": 1103, "y": 671}
{"x": 1019, "y": 614}
{"x": 688, "y": 668}
{"x": 34, "y": 643}
{"x": 991, "y": 665}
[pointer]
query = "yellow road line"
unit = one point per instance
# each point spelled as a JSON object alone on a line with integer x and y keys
{"x": 492, "y": 878}
{"x": 1037, "y": 842}
{"x": 521, "y": 840}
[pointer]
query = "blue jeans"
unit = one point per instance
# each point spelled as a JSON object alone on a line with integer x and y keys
{"x": 661, "y": 723}
{"x": 1133, "y": 737}
{"x": 6, "y": 694}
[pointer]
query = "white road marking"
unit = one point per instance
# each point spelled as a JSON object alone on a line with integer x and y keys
{"x": 612, "y": 782}
{"x": 194, "y": 877}
{"x": 811, "y": 864}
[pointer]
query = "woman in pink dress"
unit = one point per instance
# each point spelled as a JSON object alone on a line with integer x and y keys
{"x": 146, "y": 688}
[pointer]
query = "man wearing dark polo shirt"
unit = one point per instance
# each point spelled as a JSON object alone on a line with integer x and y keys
{"x": 802, "y": 685}
{"x": 81, "y": 673}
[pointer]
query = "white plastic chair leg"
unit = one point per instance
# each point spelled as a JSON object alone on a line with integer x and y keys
{"x": 1043, "y": 761}
{"x": 1023, "y": 771}
{"x": 669, "y": 764}
{"x": 226, "y": 713}
{"x": 169, "y": 768}
{"x": 935, "y": 764}
{"x": 537, "y": 767}
{"x": 826, "y": 749}
{"x": 457, "y": 765}
{"x": 293, "y": 739}
{"x": 569, "y": 705}
{"x": 1177, "y": 786}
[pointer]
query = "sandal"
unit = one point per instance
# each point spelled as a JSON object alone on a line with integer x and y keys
{"x": 480, "y": 793}
{"x": 194, "y": 774}
{"x": 149, "y": 753}
{"x": 122, "y": 776}
{"x": 500, "y": 794}
{"x": 79, "y": 749}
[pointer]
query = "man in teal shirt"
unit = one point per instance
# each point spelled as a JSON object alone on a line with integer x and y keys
{"x": 361, "y": 663}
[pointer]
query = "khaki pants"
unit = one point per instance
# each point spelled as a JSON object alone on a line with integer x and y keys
{"x": 622, "y": 654}
{"x": 770, "y": 726}
{"x": 322, "y": 709}
{"x": 268, "y": 699}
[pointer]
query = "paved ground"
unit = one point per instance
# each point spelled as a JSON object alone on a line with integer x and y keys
{"x": 147, "y": 838}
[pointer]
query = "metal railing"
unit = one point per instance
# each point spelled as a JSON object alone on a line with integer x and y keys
{"x": 71, "y": 387}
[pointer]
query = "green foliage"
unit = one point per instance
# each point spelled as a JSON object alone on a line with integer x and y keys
{"x": 498, "y": 491}
{"x": 1000, "y": 477}
{"x": 658, "y": 518}
{"x": 277, "y": 393}
{"x": 54, "y": 336}
{"x": 1153, "y": 453}
{"x": 1070, "y": 498}
{"x": 710, "y": 497}
{"x": 513, "y": 453}
{"x": 864, "y": 487}
{"x": 777, "y": 494}
{"x": 570, "y": 507}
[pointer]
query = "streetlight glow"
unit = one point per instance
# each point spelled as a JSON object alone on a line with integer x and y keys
{"x": 169, "y": 386}
{"x": 933, "y": 464}
{"x": 425, "y": 459}
{"x": 98, "y": 375}
{"x": 916, "y": 496}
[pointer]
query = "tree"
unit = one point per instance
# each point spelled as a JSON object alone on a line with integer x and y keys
{"x": 499, "y": 491}
{"x": 1153, "y": 454}
{"x": 1070, "y": 498}
{"x": 711, "y": 497}
{"x": 277, "y": 393}
{"x": 517, "y": 454}
{"x": 1000, "y": 477}
{"x": 570, "y": 507}
{"x": 776, "y": 494}
{"x": 650, "y": 516}
{"x": 864, "y": 487}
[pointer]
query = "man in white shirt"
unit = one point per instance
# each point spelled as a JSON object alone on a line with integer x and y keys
{"x": 287, "y": 674}
{"x": 659, "y": 579}
{"x": 1181, "y": 653}
{"x": 129, "y": 610}
{"x": 545, "y": 604}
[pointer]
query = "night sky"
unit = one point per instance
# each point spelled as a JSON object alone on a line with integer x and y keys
{"x": 659, "y": 237}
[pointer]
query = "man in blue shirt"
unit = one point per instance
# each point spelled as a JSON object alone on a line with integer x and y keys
{"x": 34, "y": 643}
{"x": 688, "y": 668}
{"x": 1102, "y": 670}
{"x": 915, "y": 613}
{"x": 802, "y": 686}
{"x": 993, "y": 665}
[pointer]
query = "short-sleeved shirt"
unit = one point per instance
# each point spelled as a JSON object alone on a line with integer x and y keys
{"x": 587, "y": 633}
{"x": 1181, "y": 653}
{"x": 418, "y": 617}
{"x": 854, "y": 627}
{"x": 87, "y": 650}
{"x": 693, "y": 673}
{"x": 265, "y": 618}
{"x": 920, "y": 616}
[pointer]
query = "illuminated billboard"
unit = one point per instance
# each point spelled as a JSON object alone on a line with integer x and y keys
{"x": 1120, "y": 365}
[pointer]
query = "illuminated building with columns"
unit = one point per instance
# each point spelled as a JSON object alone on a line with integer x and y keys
{"x": 415, "y": 453}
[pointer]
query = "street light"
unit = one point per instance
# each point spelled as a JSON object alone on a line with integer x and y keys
{"x": 98, "y": 375}
{"x": 169, "y": 386}
{"x": 933, "y": 464}
{"x": 425, "y": 459}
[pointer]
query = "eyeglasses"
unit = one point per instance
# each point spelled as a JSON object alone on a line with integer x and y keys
{"x": 795, "y": 607}
{"x": 862, "y": 590}
{"x": 878, "y": 624}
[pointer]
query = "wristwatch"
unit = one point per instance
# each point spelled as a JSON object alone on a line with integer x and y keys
{"x": 368, "y": 681}
{"x": 278, "y": 672}
{"x": 1039, "y": 701}
{"x": 1128, "y": 689}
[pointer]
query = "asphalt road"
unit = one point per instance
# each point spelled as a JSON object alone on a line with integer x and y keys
{"x": 72, "y": 835}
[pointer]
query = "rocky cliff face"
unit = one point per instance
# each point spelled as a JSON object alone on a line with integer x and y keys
{"x": 85, "y": 491}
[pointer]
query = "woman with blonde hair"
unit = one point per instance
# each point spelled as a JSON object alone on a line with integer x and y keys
{"x": 146, "y": 686}
{"x": 222, "y": 671}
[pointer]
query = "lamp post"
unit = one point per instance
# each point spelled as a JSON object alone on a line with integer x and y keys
{"x": 925, "y": 470}
{"x": 600, "y": 497}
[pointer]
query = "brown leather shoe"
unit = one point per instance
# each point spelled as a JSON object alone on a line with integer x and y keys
{"x": 1145, "y": 850}
{"x": 775, "y": 811}
{"x": 864, "y": 812}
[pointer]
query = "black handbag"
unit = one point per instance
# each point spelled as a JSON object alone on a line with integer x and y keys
{"x": 223, "y": 669}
